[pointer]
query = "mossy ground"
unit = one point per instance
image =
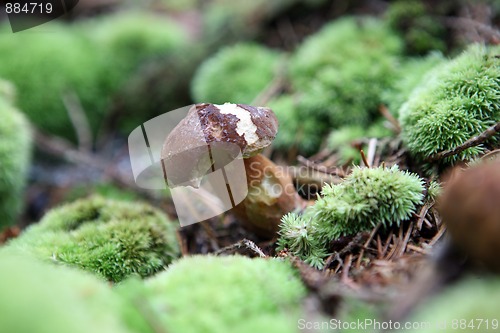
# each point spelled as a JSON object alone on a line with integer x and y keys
{"x": 394, "y": 79}
{"x": 113, "y": 239}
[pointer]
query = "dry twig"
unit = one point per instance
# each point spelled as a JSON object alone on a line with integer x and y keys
{"x": 244, "y": 243}
{"x": 387, "y": 115}
{"x": 472, "y": 142}
{"x": 79, "y": 120}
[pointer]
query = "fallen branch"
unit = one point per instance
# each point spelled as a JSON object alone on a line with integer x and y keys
{"x": 65, "y": 150}
{"x": 272, "y": 89}
{"x": 79, "y": 120}
{"x": 321, "y": 168}
{"x": 472, "y": 142}
{"x": 244, "y": 243}
{"x": 467, "y": 23}
{"x": 384, "y": 111}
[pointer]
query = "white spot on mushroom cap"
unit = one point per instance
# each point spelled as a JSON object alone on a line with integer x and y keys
{"x": 245, "y": 126}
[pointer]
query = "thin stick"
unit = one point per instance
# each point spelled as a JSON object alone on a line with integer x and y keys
{"x": 370, "y": 238}
{"x": 379, "y": 248}
{"x": 311, "y": 176}
{"x": 387, "y": 243}
{"x": 387, "y": 115}
{"x": 320, "y": 168}
{"x": 63, "y": 149}
{"x": 472, "y": 142}
{"x": 183, "y": 246}
{"x": 372, "y": 149}
{"x": 403, "y": 246}
{"x": 422, "y": 215}
{"x": 438, "y": 236}
{"x": 245, "y": 243}
{"x": 79, "y": 120}
{"x": 345, "y": 271}
{"x": 460, "y": 22}
{"x": 211, "y": 234}
{"x": 412, "y": 247}
{"x": 492, "y": 154}
{"x": 272, "y": 89}
{"x": 363, "y": 157}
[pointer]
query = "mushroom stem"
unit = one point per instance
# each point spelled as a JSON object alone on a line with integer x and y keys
{"x": 271, "y": 194}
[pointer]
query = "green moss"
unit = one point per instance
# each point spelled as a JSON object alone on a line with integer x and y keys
{"x": 366, "y": 198}
{"x": 225, "y": 20}
{"x": 15, "y": 152}
{"x": 463, "y": 306}
{"x": 354, "y": 310}
{"x": 7, "y": 91}
{"x": 341, "y": 71}
{"x": 420, "y": 30}
{"x": 293, "y": 133}
{"x": 112, "y": 239}
{"x": 129, "y": 42}
{"x": 45, "y": 67}
{"x": 92, "y": 59}
{"x": 458, "y": 101}
{"x": 412, "y": 72}
{"x": 129, "y": 39}
{"x": 220, "y": 294}
{"x": 106, "y": 190}
{"x": 43, "y": 298}
{"x": 235, "y": 74}
{"x": 341, "y": 140}
{"x": 434, "y": 190}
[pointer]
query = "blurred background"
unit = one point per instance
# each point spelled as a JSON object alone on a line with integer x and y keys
{"x": 85, "y": 80}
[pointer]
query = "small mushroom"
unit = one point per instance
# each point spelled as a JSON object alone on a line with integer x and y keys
{"x": 210, "y": 136}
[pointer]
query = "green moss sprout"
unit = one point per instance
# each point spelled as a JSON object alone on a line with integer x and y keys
{"x": 366, "y": 198}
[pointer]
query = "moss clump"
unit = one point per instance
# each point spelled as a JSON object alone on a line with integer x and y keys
{"x": 366, "y": 198}
{"x": 421, "y": 32}
{"x": 341, "y": 72}
{"x": 410, "y": 74}
{"x": 458, "y": 101}
{"x": 220, "y": 294}
{"x": 226, "y": 20}
{"x": 235, "y": 74}
{"x": 7, "y": 91}
{"x": 129, "y": 39}
{"x": 294, "y": 131}
{"x": 15, "y": 151}
{"x": 39, "y": 297}
{"x": 463, "y": 305}
{"x": 93, "y": 60}
{"x": 45, "y": 67}
{"x": 112, "y": 239}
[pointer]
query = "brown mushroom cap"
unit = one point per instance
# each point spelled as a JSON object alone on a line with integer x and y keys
{"x": 222, "y": 130}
